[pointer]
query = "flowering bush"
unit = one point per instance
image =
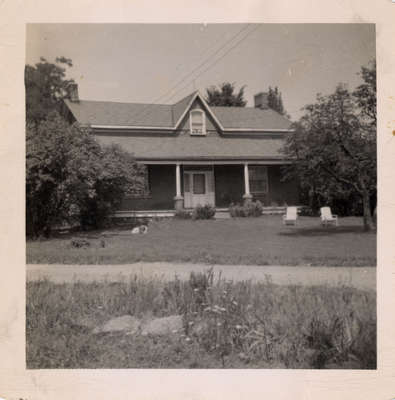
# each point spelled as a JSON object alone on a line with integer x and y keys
{"x": 250, "y": 209}
{"x": 203, "y": 212}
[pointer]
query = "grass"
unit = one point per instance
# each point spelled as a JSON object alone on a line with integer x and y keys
{"x": 225, "y": 325}
{"x": 252, "y": 241}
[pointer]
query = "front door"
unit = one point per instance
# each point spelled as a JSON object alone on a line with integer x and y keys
{"x": 198, "y": 188}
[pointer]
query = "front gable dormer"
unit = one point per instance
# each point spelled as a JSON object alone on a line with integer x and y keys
{"x": 196, "y": 118}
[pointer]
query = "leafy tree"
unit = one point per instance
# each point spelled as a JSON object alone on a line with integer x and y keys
{"x": 46, "y": 86}
{"x": 225, "y": 95}
{"x": 334, "y": 145}
{"x": 275, "y": 101}
{"x": 365, "y": 95}
{"x": 70, "y": 178}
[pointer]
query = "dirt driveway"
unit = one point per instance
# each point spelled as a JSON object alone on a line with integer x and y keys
{"x": 359, "y": 277}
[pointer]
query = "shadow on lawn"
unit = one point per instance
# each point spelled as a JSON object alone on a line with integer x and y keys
{"x": 324, "y": 231}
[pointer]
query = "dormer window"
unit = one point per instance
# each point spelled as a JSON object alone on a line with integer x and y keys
{"x": 197, "y": 122}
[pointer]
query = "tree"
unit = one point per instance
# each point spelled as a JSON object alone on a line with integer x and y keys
{"x": 46, "y": 86}
{"x": 71, "y": 179}
{"x": 365, "y": 95}
{"x": 334, "y": 145}
{"x": 275, "y": 101}
{"x": 225, "y": 96}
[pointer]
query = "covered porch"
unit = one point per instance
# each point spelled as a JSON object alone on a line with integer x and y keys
{"x": 175, "y": 185}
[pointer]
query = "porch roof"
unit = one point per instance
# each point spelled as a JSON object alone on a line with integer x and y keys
{"x": 184, "y": 147}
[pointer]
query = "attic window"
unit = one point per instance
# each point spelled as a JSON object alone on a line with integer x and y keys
{"x": 197, "y": 122}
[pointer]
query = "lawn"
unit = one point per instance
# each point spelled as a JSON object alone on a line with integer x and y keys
{"x": 253, "y": 241}
{"x": 224, "y": 325}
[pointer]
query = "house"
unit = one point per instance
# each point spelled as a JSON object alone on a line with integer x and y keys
{"x": 193, "y": 153}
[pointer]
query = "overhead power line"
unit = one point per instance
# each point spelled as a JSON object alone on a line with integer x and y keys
{"x": 209, "y": 58}
{"x": 217, "y": 60}
{"x": 202, "y": 64}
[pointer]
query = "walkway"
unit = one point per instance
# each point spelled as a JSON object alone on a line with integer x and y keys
{"x": 359, "y": 277}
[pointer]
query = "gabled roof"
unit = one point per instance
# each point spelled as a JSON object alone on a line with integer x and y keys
{"x": 102, "y": 114}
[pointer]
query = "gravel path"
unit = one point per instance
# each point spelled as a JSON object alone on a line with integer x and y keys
{"x": 359, "y": 277}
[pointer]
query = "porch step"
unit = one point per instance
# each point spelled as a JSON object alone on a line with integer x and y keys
{"x": 144, "y": 214}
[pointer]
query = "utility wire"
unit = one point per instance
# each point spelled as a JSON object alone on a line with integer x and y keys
{"x": 216, "y": 61}
{"x": 209, "y": 58}
{"x": 196, "y": 69}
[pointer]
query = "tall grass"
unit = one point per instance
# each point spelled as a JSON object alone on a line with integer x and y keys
{"x": 226, "y": 324}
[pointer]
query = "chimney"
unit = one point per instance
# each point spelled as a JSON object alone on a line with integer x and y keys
{"x": 261, "y": 100}
{"x": 73, "y": 92}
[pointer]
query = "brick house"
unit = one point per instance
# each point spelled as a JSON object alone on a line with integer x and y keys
{"x": 193, "y": 153}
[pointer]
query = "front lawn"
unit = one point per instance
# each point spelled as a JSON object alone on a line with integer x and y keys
{"x": 224, "y": 325}
{"x": 254, "y": 241}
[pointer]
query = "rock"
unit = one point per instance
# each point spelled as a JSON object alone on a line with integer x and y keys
{"x": 163, "y": 326}
{"x": 126, "y": 323}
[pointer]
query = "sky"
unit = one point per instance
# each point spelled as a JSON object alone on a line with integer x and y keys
{"x": 162, "y": 63}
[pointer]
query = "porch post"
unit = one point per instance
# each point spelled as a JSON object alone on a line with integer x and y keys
{"x": 178, "y": 200}
{"x": 247, "y": 195}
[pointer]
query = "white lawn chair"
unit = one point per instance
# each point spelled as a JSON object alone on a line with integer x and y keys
{"x": 327, "y": 217}
{"x": 291, "y": 216}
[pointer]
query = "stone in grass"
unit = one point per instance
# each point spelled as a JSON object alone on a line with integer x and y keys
{"x": 125, "y": 323}
{"x": 163, "y": 326}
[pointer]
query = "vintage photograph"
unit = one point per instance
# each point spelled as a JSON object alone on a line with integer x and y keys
{"x": 201, "y": 196}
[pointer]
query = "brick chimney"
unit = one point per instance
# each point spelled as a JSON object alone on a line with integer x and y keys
{"x": 73, "y": 92}
{"x": 261, "y": 100}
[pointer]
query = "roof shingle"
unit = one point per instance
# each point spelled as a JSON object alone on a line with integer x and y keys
{"x": 167, "y": 115}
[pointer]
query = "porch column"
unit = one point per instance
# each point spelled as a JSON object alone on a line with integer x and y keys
{"x": 247, "y": 195}
{"x": 178, "y": 200}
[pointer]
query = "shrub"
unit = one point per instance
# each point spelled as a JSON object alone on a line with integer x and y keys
{"x": 307, "y": 212}
{"x": 183, "y": 214}
{"x": 71, "y": 179}
{"x": 203, "y": 212}
{"x": 250, "y": 209}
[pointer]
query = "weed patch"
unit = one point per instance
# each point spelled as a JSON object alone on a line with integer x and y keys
{"x": 225, "y": 324}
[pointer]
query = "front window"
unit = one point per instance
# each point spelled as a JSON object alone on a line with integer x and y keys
{"x": 258, "y": 179}
{"x": 197, "y": 122}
